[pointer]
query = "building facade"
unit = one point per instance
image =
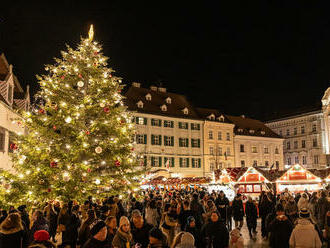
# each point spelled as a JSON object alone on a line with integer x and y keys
{"x": 12, "y": 98}
{"x": 256, "y": 145}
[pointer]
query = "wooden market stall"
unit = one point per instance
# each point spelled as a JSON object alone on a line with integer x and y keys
{"x": 252, "y": 182}
{"x": 297, "y": 179}
{"x": 176, "y": 183}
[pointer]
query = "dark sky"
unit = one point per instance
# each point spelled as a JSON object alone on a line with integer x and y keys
{"x": 243, "y": 58}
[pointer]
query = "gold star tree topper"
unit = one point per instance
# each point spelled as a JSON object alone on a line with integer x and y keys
{"x": 91, "y": 33}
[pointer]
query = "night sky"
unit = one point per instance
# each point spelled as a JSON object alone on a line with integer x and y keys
{"x": 261, "y": 60}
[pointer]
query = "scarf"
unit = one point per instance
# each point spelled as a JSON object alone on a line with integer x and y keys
{"x": 126, "y": 236}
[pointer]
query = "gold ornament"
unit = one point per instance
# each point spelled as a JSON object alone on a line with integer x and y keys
{"x": 98, "y": 149}
{"x": 80, "y": 84}
{"x": 91, "y": 33}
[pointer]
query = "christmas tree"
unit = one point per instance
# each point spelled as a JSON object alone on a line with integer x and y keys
{"x": 79, "y": 134}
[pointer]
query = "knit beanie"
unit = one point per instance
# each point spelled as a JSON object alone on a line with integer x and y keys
{"x": 304, "y": 213}
{"x": 156, "y": 233}
{"x": 41, "y": 235}
{"x": 96, "y": 226}
{"x": 123, "y": 220}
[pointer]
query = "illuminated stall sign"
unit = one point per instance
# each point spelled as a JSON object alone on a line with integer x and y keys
{"x": 252, "y": 181}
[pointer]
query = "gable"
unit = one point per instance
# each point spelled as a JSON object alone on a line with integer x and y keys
{"x": 252, "y": 176}
{"x": 298, "y": 173}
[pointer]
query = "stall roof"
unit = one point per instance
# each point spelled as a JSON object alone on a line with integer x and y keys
{"x": 297, "y": 173}
{"x": 172, "y": 181}
{"x": 253, "y": 175}
{"x": 224, "y": 177}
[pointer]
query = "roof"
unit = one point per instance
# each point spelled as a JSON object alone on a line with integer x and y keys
{"x": 4, "y": 67}
{"x": 153, "y": 106}
{"x": 251, "y": 127}
{"x": 204, "y": 113}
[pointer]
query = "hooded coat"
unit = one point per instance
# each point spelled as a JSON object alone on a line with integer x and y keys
{"x": 187, "y": 241}
{"x": 304, "y": 235}
{"x": 13, "y": 238}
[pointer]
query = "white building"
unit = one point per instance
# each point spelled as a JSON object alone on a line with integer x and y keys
{"x": 169, "y": 131}
{"x": 12, "y": 98}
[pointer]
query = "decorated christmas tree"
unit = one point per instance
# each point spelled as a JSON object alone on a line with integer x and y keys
{"x": 79, "y": 134}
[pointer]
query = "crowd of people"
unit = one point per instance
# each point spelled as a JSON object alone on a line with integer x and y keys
{"x": 170, "y": 219}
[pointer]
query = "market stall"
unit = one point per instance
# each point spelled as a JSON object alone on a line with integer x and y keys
{"x": 222, "y": 182}
{"x": 176, "y": 183}
{"x": 252, "y": 182}
{"x": 297, "y": 179}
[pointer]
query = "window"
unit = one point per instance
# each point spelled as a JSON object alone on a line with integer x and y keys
{"x": 156, "y": 161}
{"x": 289, "y": 161}
{"x": 302, "y": 129}
{"x": 210, "y": 134}
{"x": 219, "y": 136}
{"x": 140, "y": 104}
{"x": 304, "y": 161}
{"x": 211, "y": 166}
{"x": 141, "y": 120}
{"x": 316, "y": 159}
{"x": 221, "y": 118}
{"x": 183, "y": 142}
{"x": 266, "y": 163}
{"x": 303, "y": 144}
{"x": 185, "y": 111}
{"x": 254, "y": 149}
{"x": 315, "y": 142}
{"x": 211, "y": 150}
{"x": 169, "y": 124}
{"x": 288, "y": 145}
{"x": 242, "y": 163}
{"x": 295, "y": 144}
{"x": 195, "y": 143}
{"x": 228, "y": 136}
{"x": 184, "y": 162}
{"x": 156, "y": 122}
{"x": 228, "y": 151}
{"x": 163, "y": 108}
{"x": 219, "y": 151}
{"x": 195, "y": 126}
{"x": 281, "y": 134}
{"x": 296, "y": 160}
{"x": 276, "y": 150}
{"x": 156, "y": 139}
{"x": 314, "y": 128}
{"x": 10, "y": 93}
{"x": 169, "y": 140}
{"x": 241, "y": 148}
{"x": 141, "y": 139}
{"x": 148, "y": 97}
{"x": 168, "y": 100}
{"x": 168, "y": 162}
{"x": 2, "y": 140}
{"x": 196, "y": 163}
{"x": 287, "y": 132}
{"x": 295, "y": 131}
{"x": 277, "y": 164}
{"x": 211, "y": 117}
{"x": 183, "y": 125}
{"x": 266, "y": 151}
{"x": 255, "y": 163}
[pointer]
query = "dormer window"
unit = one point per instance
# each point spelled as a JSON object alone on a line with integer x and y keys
{"x": 251, "y": 131}
{"x": 148, "y": 97}
{"x": 211, "y": 117}
{"x": 185, "y": 111}
{"x": 221, "y": 118}
{"x": 163, "y": 107}
{"x": 168, "y": 100}
{"x": 263, "y": 132}
{"x": 140, "y": 104}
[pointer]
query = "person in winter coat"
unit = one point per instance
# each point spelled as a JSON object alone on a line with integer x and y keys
{"x": 140, "y": 230}
{"x": 321, "y": 209}
{"x": 123, "y": 237}
{"x": 151, "y": 214}
{"x": 183, "y": 240}
{"x": 303, "y": 201}
{"x": 209, "y": 209}
{"x": 215, "y": 233}
{"x": 238, "y": 211}
{"x": 251, "y": 216}
{"x": 157, "y": 239}
{"x": 291, "y": 209}
{"x": 170, "y": 223}
{"x": 39, "y": 223}
{"x": 236, "y": 239}
{"x": 222, "y": 204}
{"x": 197, "y": 209}
{"x": 24, "y": 216}
{"x": 52, "y": 212}
{"x": 41, "y": 240}
{"x": 111, "y": 223}
{"x": 265, "y": 207}
{"x": 98, "y": 231}
{"x": 84, "y": 231}
{"x": 326, "y": 232}
{"x": 12, "y": 232}
{"x": 184, "y": 214}
{"x": 304, "y": 234}
{"x": 280, "y": 229}
{"x": 191, "y": 228}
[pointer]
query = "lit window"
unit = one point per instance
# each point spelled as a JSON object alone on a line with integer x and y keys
{"x": 168, "y": 100}
{"x": 185, "y": 111}
{"x": 163, "y": 108}
{"x": 140, "y": 104}
{"x": 148, "y": 97}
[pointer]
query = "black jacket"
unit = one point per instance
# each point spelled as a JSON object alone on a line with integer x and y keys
{"x": 141, "y": 235}
{"x": 215, "y": 235}
{"x": 197, "y": 235}
{"x": 94, "y": 243}
{"x": 14, "y": 238}
{"x": 237, "y": 210}
{"x": 280, "y": 232}
{"x": 224, "y": 203}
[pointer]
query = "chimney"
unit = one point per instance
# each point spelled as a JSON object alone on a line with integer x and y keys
{"x": 136, "y": 84}
{"x": 153, "y": 88}
{"x": 161, "y": 89}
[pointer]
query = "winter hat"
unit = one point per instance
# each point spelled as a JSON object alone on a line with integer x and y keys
{"x": 123, "y": 221}
{"x": 21, "y": 208}
{"x": 156, "y": 233}
{"x": 96, "y": 226}
{"x": 190, "y": 219}
{"x": 41, "y": 235}
{"x": 304, "y": 213}
{"x": 187, "y": 239}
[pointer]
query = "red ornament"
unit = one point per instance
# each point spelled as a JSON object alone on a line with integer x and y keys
{"x": 106, "y": 109}
{"x": 53, "y": 164}
{"x": 96, "y": 53}
{"x": 79, "y": 75}
{"x": 88, "y": 132}
{"x": 49, "y": 190}
{"x": 132, "y": 149}
{"x": 89, "y": 170}
{"x": 117, "y": 163}
{"x": 54, "y": 127}
{"x": 122, "y": 121}
{"x": 62, "y": 77}
{"x": 13, "y": 146}
{"x": 110, "y": 75}
{"x": 41, "y": 111}
{"x": 19, "y": 123}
